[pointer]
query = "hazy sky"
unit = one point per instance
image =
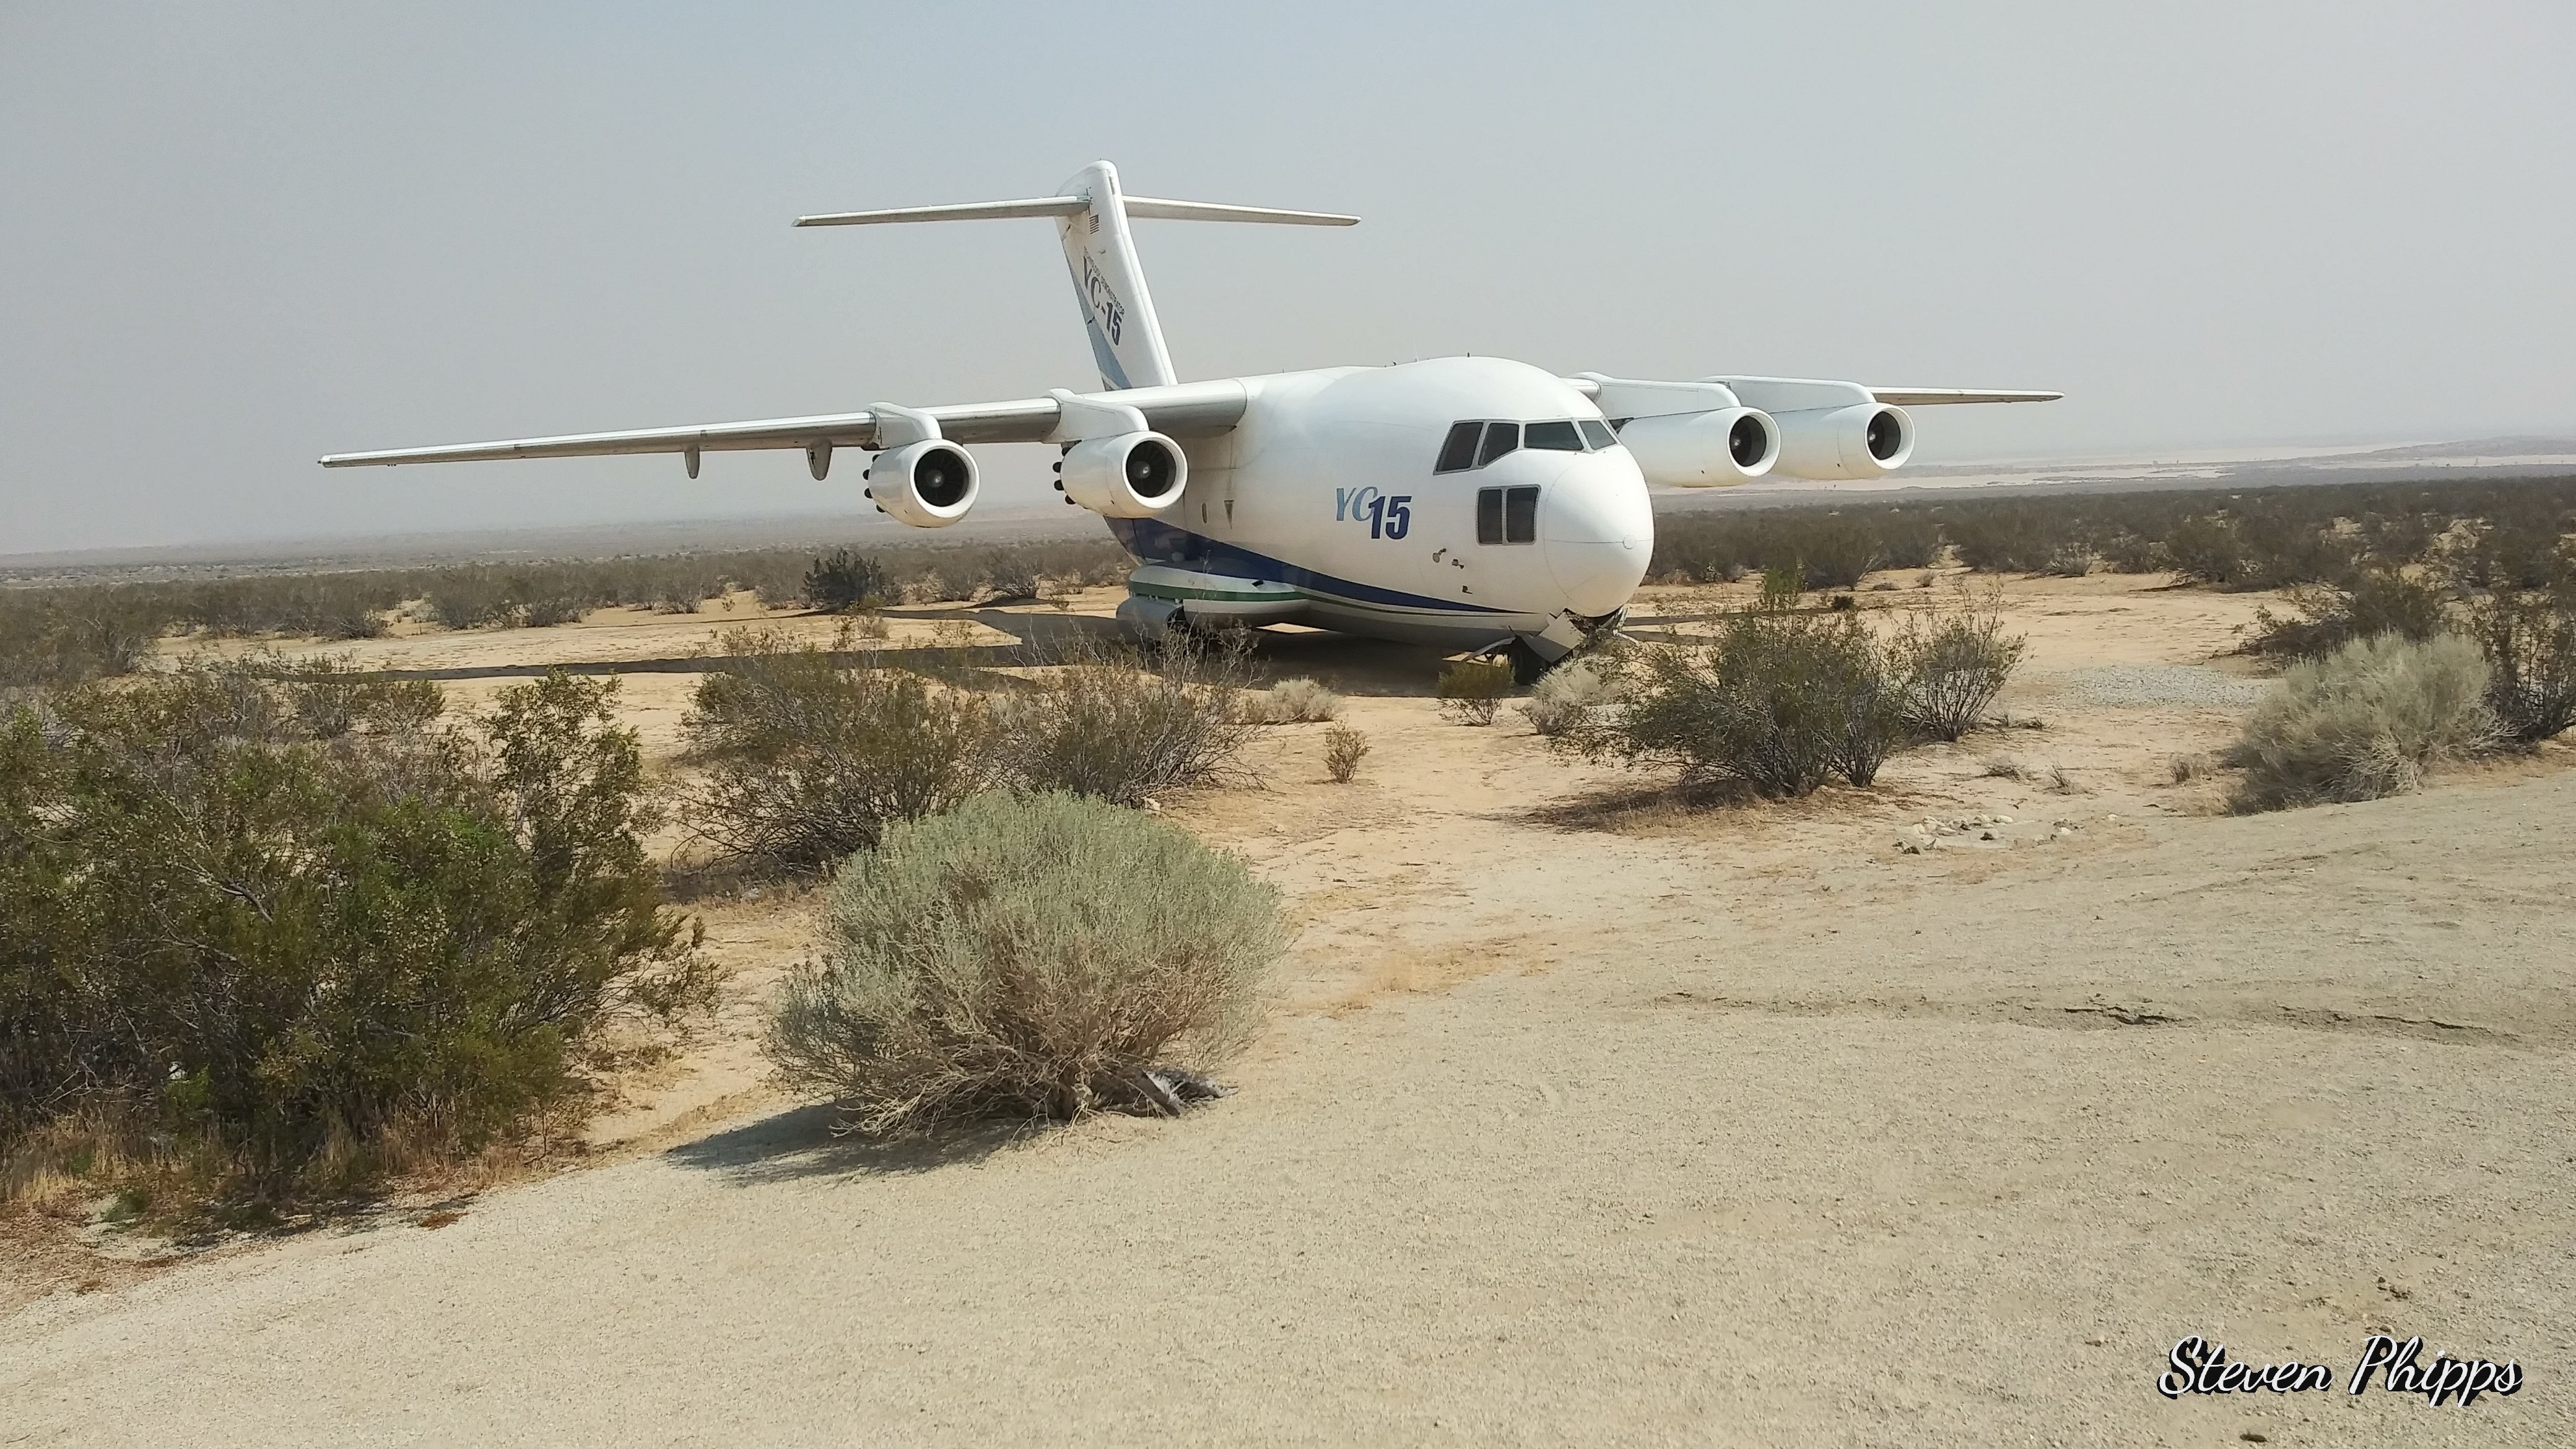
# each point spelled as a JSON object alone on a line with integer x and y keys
{"x": 234, "y": 237}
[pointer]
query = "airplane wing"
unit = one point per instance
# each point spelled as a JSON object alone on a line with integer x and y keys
{"x": 1916, "y": 397}
{"x": 1196, "y": 409}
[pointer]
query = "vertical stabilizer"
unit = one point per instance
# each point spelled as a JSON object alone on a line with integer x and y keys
{"x": 1126, "y": 337}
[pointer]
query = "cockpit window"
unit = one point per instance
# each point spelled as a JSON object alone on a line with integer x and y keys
{"x": 1458, "y": 451}
{"x": 1555, "y": 437}
{"x": 1475, "y": 443}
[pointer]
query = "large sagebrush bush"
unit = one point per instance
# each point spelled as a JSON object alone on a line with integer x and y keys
{"x": 1121, "y": 726}
{"x": 1566, "y": 695}
{"x": 264, "y": 946}
{"x": 1294, "y": 701}
{"x": 806, "y": 757}
{"x": 1779, "y": 700}
{"x": 2365, "y": 721}
{"x": 1036, "y": 956}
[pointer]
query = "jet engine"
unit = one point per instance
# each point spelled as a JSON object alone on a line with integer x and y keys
{"x": 1703, "y": 450}
{"x": 928, "y": 484}
{"x": 1125, "y": 475}
{"x": 1864, "y": 440}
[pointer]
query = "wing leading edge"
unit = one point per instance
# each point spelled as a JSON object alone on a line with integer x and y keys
{"x": 1196, "y": 409}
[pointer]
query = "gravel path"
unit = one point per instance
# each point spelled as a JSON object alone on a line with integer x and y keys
{"x": 2154, "y": 686}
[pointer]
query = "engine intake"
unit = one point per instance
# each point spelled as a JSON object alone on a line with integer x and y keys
{"x": 1703, "y": 450}
{"x": 1127, "y": 475}
{"x": 928, "y": 484}
{"x": 1865, "y": 440}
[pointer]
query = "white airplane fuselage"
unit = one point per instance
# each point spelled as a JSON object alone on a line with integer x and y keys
{"x": 1323, "y": 506}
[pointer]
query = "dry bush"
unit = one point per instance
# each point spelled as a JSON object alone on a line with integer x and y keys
{"x": 2530, "y": 644}
{"x": 2029, "y": 770}
{"x": 2363, "y": 722}
{"x": 1780, "y": 700}
{"x": 1566, "y": 695}
{"x": 1344, "y": 748}
{"x": 2378, "y": 601}
{"x": 807, "y": 758}
{"x": 1471, "y": 690}
{"x": 1035, "y": 957}
{"x": 1951, "y": 670}
{"x": 253, "y": 956}
{"x": 845, "y": 582}
{"x": 1119, "y": 726}
{"x": 1294, "y": 701}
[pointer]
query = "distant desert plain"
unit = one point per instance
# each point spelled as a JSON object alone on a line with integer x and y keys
{"x": 1934, "y": 1113}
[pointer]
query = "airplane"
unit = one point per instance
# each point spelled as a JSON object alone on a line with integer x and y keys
{"x": 1475, "y": 503}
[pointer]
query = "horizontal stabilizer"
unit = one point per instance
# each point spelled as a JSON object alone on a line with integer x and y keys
{"x": 1160, "y": 210}
{"x": 1137, "y": 206}
{"x": 965, "y": 211}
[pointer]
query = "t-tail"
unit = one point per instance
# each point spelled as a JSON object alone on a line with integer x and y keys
{"x": 1092, "y": 214}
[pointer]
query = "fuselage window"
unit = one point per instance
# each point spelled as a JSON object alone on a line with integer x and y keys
{"x": 1500, "y": 438}
{"x": 1597, "y": 433}
{"x": 1507, "y": 515}
{"x": 1458, "y": 453}
{"x": 1555, "y": 437}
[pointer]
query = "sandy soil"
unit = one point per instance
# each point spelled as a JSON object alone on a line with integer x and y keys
{"x": 1585, "y": 1119}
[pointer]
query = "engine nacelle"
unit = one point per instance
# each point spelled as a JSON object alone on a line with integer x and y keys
{"x": 1864, "y": 440}
{"x": 928, "y": 484}
{"x": 1703, "y": 450}
{"x": 1126, "y": 475}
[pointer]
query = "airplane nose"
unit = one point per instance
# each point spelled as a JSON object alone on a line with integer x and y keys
{"x": 1598, "y": 528}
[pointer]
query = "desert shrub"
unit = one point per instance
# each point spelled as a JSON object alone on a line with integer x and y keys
{"x": 1950, "y": 670}
{"x": 2206, "y": 548}
{"x": 807, "y": 759}
{"x": 66, "y": 638}
{"x": 1122, "y": 727}
{"x": 2028, "y": 770}
{"x": 2530, "y": 645}
{"x": 2379, "y": 601}
{"x": 1566, "y": 695}
{"x": 845, "y": 582}
{"x": 1471, "y": 690}
{"x": 1027, "y": 956}
{"x": 1294, "y": 701}
{"x": 1907, "y": 540}
{"x": 1013, "y": 576}
{"x": 2133, "y": 553}
{"x": 264, "y": 959}
{"x": 2365, "y": 721}
{"x": 1837, "y": 551}
{"x": 1778, "y": 700}
{"x": 468, "y": 601}
{"x": 1344, "y": 748}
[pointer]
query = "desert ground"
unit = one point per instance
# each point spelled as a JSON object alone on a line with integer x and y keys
{"x": 1928, "y": 1114}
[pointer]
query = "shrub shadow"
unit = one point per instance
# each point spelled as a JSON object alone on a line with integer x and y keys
{"x": 806, "y": 1142}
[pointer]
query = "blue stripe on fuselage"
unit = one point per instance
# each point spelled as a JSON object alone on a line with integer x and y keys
{"x": 1151, "y": 540}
